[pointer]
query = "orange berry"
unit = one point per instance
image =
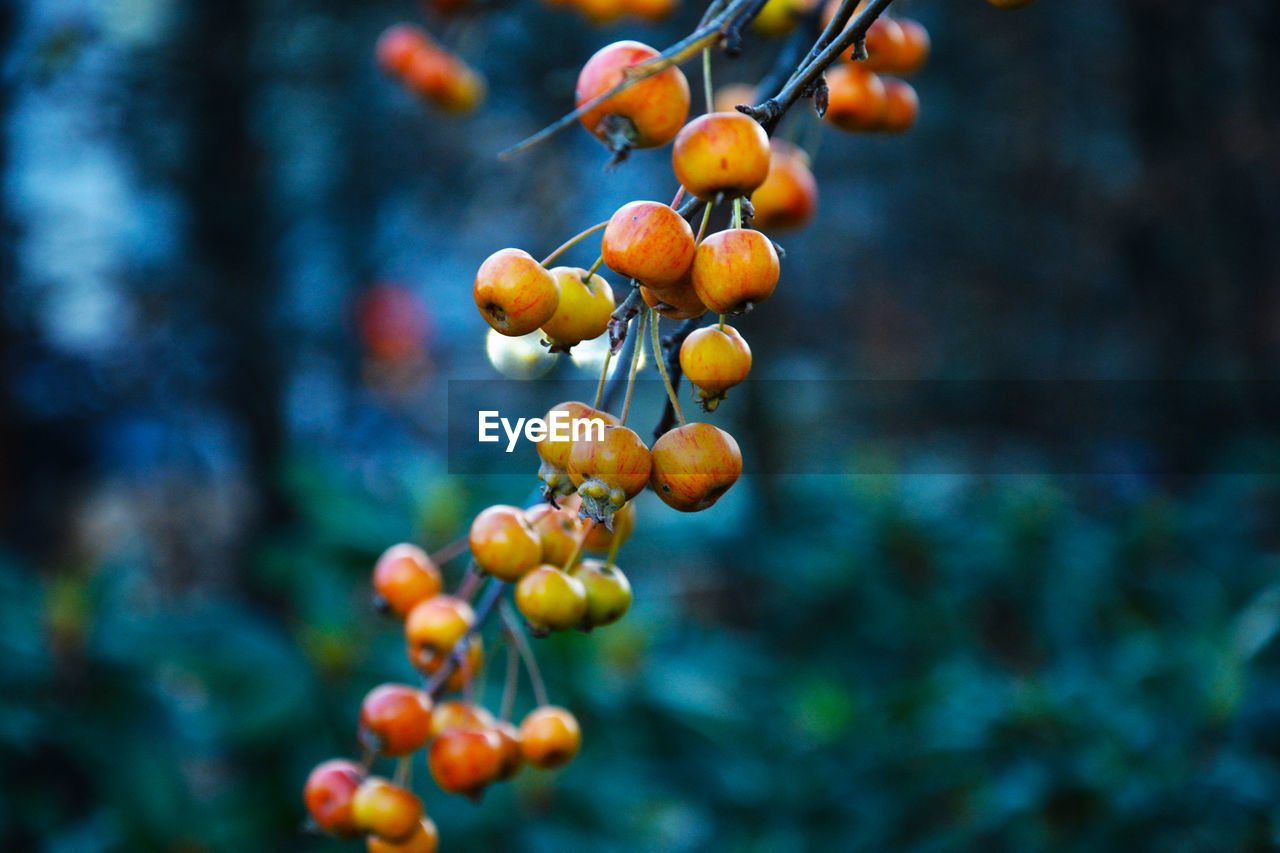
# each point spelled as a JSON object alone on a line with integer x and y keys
{"x": 385, "y": 809}
{"x": 424, "y": 839}
{"x": 463, "y": 90}
{"x": 512, "y": 758}
{"x": 788, "y": 198}
{"x": 902, "y": 105}
{"x": 404, "y": 576}
{"x": 503, "y": 544}
{"x": 650, "y": 10}
{"x": 694, "y": 465}
{"x": 650, "y": 242}
{"x": 464, "y": 761}
{"x": 734, "y": 270}
{"x": 601, "y": 11}
{"x": 395, "y": 719}
{"x": 609, "y": 471}
{"x": 515, "y": 293}
{"x": 646, "y": 115}
{"x": 549, "y": 737}
{"x": 855, "y": 98}
{"x": 886, "y": 42}
{"x": 554, "y": 447}
{"x": 456, "y": 714}
{"x": 714, "y": 360}
{"x": 397, "y": 47}
{"x": 915, "y": 47}
{"x": 328, "y": 794}
{"x": 428, "y": 662}
{"x": 679, "y": 302}
{"x": 608, "y": 593}
{"x": 583, "y": 312}
{"x": 559, "y": 529}
{"x": 721, "y": 153}
{"x": 437, "y": 624}
{"x": 551, "y": 599}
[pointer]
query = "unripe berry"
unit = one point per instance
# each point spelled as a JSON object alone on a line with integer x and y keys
{"x": 721, "y": 153}
{"x": 554, "y": 452}
{"x": 647, "y": 114}
{"x": 608, "y": 593}
{"x": 609, "y": 471}
{"x": 779, "y": 17}
{"x": 512, "y": 758}
{"x": 902, "y": 105}
{"x": 549, "y": 737}
{"x": 679, "y": 302}
{"x": 855, "y": 98}
{"x": 395, "y": 719}
{"x": 397, "y": 47}
{"x": 734, "y": 270}
{"x": 404, "y": 576}
{"x": 464, "y": 761}
{"x": 386, "y": 810}
{"x": 788, "y": 198}
{"x": 551, "y": 599}
{"x": 464, "y": 89}
{"x": 694, "y": 465}
{"x": 559, "y": 529}
{"x": 328, "y": 795}
{"x": 650, "y": 242}
{"x": 583, "y": 311}
{"x": 714, "y": 360}
{"x": 424, "y": 839}
{"x": 438, "y": 623}
{"x": 515, "y": 293}
{"x": 503, "y": 544}
{"x": 457, "y": 714}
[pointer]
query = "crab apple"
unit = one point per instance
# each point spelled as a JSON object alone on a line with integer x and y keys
{"x": 424, "y": 839}
{"x": 445, "y": 80}
{"x": 428, "y": 662}
{"x": 885, "y": 42}
{"x": 586, "y": 303}
{"x": 645, "y": 115}
{"x": 779, "y": 17}
{"x": 600, "y": 539}
{"x": 384, "y": 809}
{"x": 734, "y": 270}
{"x": 397, "y": 47}
{"x": 855, "y": 98}
{"x": 464, "y": 761}
{"x": 549, "y": 737}
{"x": 515, "y": 293}
{"x": 554, "y": 452}
{"x": 438, "y": 623}
{"x": 463, "y": 91}
{"x": 715, "y": 359}
{"x": 330, "y": 788}
{"x": 609, "y": 471}
{"x": 395, "y": 719}
{"x": 788, "y": 198}
{"x": 512, "y": 757}
{"x": 456, "y": 714}
{"x": 902, "y": 105}
{"x": 650, "y": 242}
{"x": 404, "y": 576}
{"x": 915, "y": 47}
{"x": 503, "y": 544}
{"x": 608, "y": 593}
{"x": 721, "y": 153}
{"x": 559, "y": 529}
{"x": 650, "y": 10}
{"x": 551, "y": 599}
{"x": 601, "y": 11}
{"x": 694, "y": 465}
{"x": 678, "y": 302}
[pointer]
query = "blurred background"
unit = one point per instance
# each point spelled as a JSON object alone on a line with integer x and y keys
{"x": 234, "y": 287}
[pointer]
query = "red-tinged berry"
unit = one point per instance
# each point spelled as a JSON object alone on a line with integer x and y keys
{"x": 645, "y": 115}
{"x": 694, "y": 465}
{"x": 515, "y": 293}
{"x": 586, "y": 304}
{"x": 328, "y": 796}
{"x": 650, "y": 242}
{"x": 424, "y": 839}
{"x": 549, "y": 737}
{"x": 503, "y": 544}
{"x": 559, "y": 529}
{"x": 714, "y": 359}
{"x": 403, "y": 577}
{"x": 609, "y": 471}
{"x": 788, "y": 198}
{"x": 395, "y": 719}
{"x": 734, "y": 270}
{"x": 554, "y": 447}
{"x": 721, "y": 153}
{"x": 465, "y": 761}
{"x": 384, "y": 809}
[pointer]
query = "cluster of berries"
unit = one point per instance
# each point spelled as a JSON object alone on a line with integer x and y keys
{"x": 606, "y": 11}
{"x": 861, "y": 94}
{"x": 428, "y": 70}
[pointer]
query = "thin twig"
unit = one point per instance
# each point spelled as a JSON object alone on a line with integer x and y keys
{"x": 662, "y": 368}
{"x": 488, "y": 600}
{"x": 515, "y": 633}
{"x": 671, "y": 348}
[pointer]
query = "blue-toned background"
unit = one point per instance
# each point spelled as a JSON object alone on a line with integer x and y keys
{"x": 235, "y": 265}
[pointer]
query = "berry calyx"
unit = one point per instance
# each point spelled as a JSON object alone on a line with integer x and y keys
{"x": 404, "y": 576}
{"x": 550, "y": 599}
{"x": 549, "y": 737}
{"x": 328, "y": 796}
{"x": 503, "y": 544}
{"x": 714, "y": 359}
{"x": 559, "y": 529}
{"x": 650, "y": 242}
{"x": 600, "y": 539}
{"x": 424, "y": 839}
{"x": 788, "y": 198}
{"x": 395, "y": 719}
{"x": 608, "y": 593}
{"x": 382, "y": 808}
{"x": 734, "y": 270}
{"x": 583, "y": 312}
{"x": 515, "y": 293}
{"x": 645, "y": 115}
{"x": 721, "y": 153}
{"x": 554, "y": 451}
{"x": 464, "y": 761}
{"x": 609, "y": 471}
{"x": 694, "y": 465}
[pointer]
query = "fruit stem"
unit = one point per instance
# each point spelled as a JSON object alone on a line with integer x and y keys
{"x": 594, "y": 267}
{"x": 737, "y": 212}
{"x": 613, "y": 552}
{"x": 702, "y": 229}
{"x": 470, "y": 582}
{"x": 582, "y": 543}
{"x": 448, "y": 552}
{"x": 404, "y": 771}
{"x": 568, "y": 244}
{"x": 662, "y": 368}
{"x": 706, "y": 79}
{"x": 635, "y": 364}
{"x": 722, "y": 322}
{"x": 604, "y": 372}
{"x": 516, "y": 634}
{"x": 512, "y": 682}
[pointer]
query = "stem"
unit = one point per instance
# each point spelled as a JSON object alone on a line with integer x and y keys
{"x": 702, "y": 229}
{"x": 569, "y": 244}
{"x": 604, "y": 372}
{"x": 512, "y": 682}
{"x": 594, "y": 267}
{"x": 450, "y": 551}
{"x": 722, "y": 322}
{"x": 662, "y": 368}
{"x": 613, "y": 551}
{"x": 521, "y": 642}
{"x": 706, "y": 79}
{"x": 404, "y": 771}
{"x": 471, "y": 580}
{"x": 488, "y": 600}
{"x": 635, "y": 364}
{"x": 737, "y": 212}
{"x": 582, "y": 543}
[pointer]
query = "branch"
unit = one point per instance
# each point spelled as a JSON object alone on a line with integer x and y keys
{"x": 488, "y": 600}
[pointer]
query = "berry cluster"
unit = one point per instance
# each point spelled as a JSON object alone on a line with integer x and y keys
{"x": 629, "y": 96}
{"x": 428, "y": 70}
{"x": 607, "y": 11}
